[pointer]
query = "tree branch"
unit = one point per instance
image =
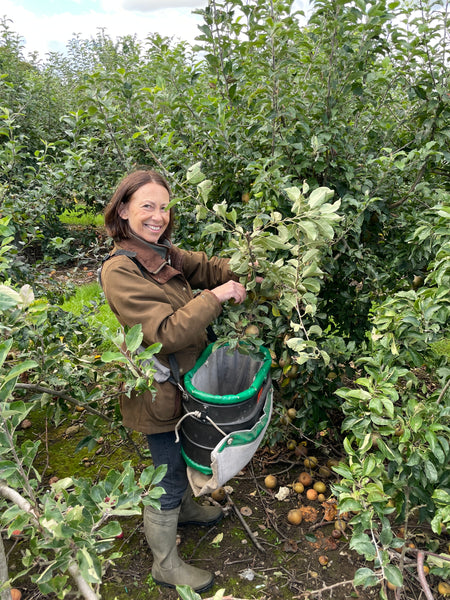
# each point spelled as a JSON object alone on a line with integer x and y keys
{"x": 4, "y": 577}
{"x": 51, "y": 392}
{"x": 19, "y": 500}
{"x": 444, "y": 391}
{"x": 83, "y": 586}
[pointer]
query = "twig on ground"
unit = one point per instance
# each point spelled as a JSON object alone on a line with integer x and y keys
{"x": 200, "y": 541}
{"x": 321, "y": 524}
{"x": 421, "y": 575}
{"x": 244, "y": 524}
{"x": 309, "y": 593}
{"x": 273, "y": 523}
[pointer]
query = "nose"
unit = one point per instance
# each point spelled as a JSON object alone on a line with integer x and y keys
{"x": 160, "y": 215}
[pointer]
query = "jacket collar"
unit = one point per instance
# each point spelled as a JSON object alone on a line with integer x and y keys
{"x": 162, "y": 261}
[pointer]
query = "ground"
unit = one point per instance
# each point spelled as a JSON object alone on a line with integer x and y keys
{"x": 275, "y": 561}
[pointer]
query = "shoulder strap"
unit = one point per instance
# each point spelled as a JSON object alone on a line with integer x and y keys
{"x": 120, "y": 252}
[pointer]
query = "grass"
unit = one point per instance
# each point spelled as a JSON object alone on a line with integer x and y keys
{"x": 84, "y": 297}
{"x": 70, "y": 217}
{"x": 442, "y": 347}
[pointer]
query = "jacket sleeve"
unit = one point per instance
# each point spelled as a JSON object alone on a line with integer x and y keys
{"x": 204, "y": 273}
{"x": 169, "y": 313}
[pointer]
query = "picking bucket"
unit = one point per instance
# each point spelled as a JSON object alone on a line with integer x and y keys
{"x": 226, "y": 394}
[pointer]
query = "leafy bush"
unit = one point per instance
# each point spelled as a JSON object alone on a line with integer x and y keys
{"x": 292, "y": 126}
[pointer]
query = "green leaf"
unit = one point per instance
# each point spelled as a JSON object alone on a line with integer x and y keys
{"x": 320, "y": 196}
{"x": 369, "y": 465}
{"x": 5, "y": 347}
{"x": 110, "y": 530}
{"x": 213, "y": 228}
{"x": 349, "y": 504}
{"x": 361, "y": 543}
{"x": 7, "y": 469}
{"x": 416, "y": 422}
{"x": 441, "y": 497}
{"x": 293, "y": 193}
{"x": 9, "y": 298}
{"x": 430, "y": 471}
{"x": 204, "y": 189}
{"x": 90, "y": 566}
{"x": 375, "y": 492}
{"x": 386, "y": 537}
{"x": 187, "y": 593}
{"x": 365, "y": 577}
{"x": 134, "y": 337}
{"x": 17, "y": 370}
{"x": 109, "y": 356}
{"x": 343, "y": 470}
{"x": 385, "y": 450}
{"x": 194, "y": 174}
{"x": 393, "y": 575}
{"x": 309, "y": 229}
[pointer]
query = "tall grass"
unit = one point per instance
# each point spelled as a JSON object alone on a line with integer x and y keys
{"x": 85, "y": 296}
{"x": 70, "y": 217}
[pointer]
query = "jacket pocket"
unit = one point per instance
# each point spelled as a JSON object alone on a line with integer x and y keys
{"x": 166, "y": 404}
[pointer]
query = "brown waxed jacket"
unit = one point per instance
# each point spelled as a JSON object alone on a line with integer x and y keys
{"x": 164, "y": 303}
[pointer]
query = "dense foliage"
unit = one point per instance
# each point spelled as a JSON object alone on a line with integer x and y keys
{"x": 316, "y": 155}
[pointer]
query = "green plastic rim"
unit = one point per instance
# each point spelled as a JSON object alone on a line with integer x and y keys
{"x": 227, "y": 398}
{"x": 195, "y": 465}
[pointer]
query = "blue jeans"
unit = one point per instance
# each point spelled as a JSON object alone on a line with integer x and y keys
{"x": 165, "y": 451}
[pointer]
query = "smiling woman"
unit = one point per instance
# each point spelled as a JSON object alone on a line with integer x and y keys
{"x": 149, "y": 281}
{"x": 147, "y": 212}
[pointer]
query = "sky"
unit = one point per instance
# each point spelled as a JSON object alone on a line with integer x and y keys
{"x": 47, "y": 25}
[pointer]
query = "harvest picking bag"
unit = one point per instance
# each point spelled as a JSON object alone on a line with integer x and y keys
{"x": 227, "y": 408}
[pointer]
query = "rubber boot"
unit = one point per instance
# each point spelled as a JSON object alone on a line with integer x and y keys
{"x": 160, "y": 527}
{"x": 192, "y": 513}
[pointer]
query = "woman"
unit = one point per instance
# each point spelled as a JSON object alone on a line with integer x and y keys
{"x": 148, "y": 280}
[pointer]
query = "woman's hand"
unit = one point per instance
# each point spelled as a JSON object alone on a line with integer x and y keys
{"x": 231, "y": 290}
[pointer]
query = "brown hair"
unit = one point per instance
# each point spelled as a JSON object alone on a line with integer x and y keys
{"x": 118, "y": 228}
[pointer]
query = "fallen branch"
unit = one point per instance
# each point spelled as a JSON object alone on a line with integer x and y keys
{"x": 322, "y": 523}
{"x": 443, "y": 392}
{"x": 421, "y": 575}
{"x": 324, "y": 589}
{"x": 244, "y": 524}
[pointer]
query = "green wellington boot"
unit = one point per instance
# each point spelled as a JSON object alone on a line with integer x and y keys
{"x": 160, "y": 527}
{"x": 192, "y": 513}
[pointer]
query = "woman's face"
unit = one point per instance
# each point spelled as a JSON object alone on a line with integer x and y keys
{"x": 147, "y": 212}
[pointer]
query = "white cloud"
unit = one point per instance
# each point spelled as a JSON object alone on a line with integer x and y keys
{"x": 171, "y": 18}
{"x": 43, "y": 34}
{"x": 151, "y": 5}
